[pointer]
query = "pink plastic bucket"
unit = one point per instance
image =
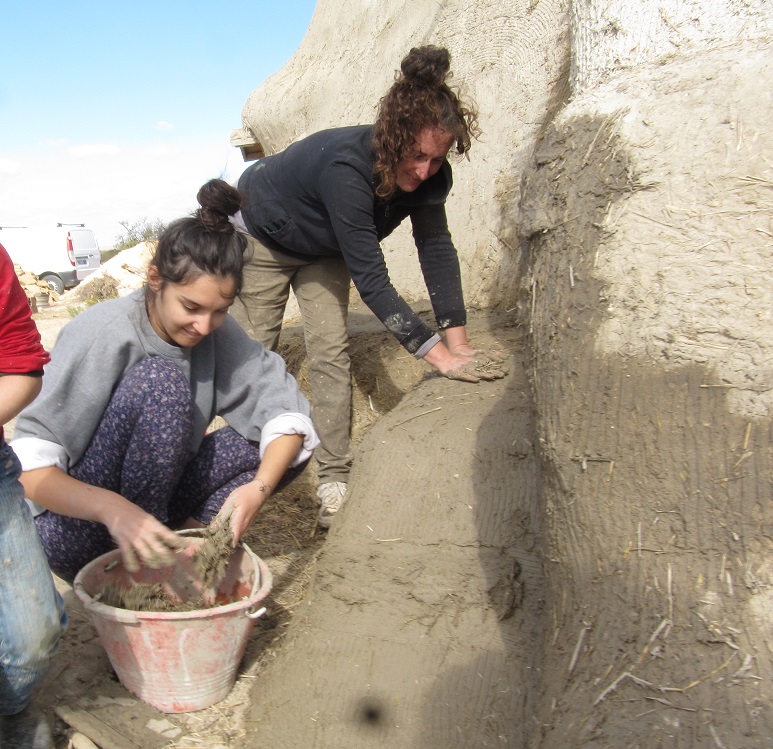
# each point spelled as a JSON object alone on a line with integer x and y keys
{"x": 182, "y": 660}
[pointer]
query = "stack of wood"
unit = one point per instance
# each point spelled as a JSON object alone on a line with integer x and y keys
{"x": 39, "y": 293}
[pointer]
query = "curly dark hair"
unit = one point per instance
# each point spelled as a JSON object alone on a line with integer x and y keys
{"x": 205, "y": 243}
{"x": 419, "y": 98}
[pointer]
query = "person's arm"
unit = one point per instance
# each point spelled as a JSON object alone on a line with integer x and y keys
{"x": 16, "y": 392}
{"x": 22, "y": 355}
{"x": 244, "y": 503}
{"x": 261, "y": 401}
{"x": 454, "y": 357}
{"x": 349, "y": 201}
{"x": 140, "y": 537}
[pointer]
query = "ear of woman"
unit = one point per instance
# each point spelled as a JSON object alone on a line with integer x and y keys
{"x": 154, "y": 279}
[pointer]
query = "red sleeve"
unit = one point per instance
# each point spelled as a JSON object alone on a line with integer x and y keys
{"x": 21, "y": 351}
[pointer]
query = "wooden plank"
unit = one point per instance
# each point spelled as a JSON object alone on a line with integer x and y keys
{"x": 119, "y": 723}
{"x": 89, "y": 725}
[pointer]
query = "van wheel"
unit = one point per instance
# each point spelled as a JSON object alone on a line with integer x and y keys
{"x": 55, "y": 283}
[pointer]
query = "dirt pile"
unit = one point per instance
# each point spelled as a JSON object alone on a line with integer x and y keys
{"x": 124, "y": 271}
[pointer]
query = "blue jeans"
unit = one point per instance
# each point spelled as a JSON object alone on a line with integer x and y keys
{"x": 32, "y": 613}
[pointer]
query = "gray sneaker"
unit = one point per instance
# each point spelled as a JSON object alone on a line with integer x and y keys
{"x": 28, "y": 729}
{"x": 332, "y": 497}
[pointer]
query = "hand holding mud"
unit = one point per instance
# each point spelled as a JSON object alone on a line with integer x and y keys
{"x": 244, "y": 502}
{"x": 241, "y": 507}
{"x": 143, "y": 540}
{"x": 457, "y": 360}
{"x": 475, "y": 370}
{"x": 489, "y": 357}
{"x": 473, "y": 365}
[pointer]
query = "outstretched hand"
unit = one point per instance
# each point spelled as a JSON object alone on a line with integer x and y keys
{"x": 474, "y": 370}
{"x": 460, "y": 361}
{"x": 473, "y": 365}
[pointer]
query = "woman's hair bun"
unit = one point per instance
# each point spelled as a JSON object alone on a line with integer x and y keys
{"x": 218, "y": 201}
{"x": 426, "y": 66}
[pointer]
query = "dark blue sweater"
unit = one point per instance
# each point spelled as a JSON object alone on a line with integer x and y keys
{"x": 317, "y": 198}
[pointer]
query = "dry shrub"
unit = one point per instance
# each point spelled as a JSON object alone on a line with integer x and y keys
{"x": 98, "y": 290}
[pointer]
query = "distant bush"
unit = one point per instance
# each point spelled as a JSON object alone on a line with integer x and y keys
{"x": 142, "y": 230}
{"x": 105, "y": 255}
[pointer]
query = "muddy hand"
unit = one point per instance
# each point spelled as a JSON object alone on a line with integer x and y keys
{"x": 154, "y": 556}
{"x": 225, "y": 521}
{"x": 241, "y": 507}
{"x": 489, "y": 357}
{"x": 495, "y": 361}
{"x": 158, "y": 551}
{"x": 142, "y": 539}
{"x": 475, "y": 371}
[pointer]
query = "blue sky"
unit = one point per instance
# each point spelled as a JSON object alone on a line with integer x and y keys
{"x": 116, "y": 112}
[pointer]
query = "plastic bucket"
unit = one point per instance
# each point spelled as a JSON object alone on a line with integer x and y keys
{"x": 177, "y": 661}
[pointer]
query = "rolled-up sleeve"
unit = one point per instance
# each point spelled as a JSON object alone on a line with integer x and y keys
{"x": 290, "y": 424}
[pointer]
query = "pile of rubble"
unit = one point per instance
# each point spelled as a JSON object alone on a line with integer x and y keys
{"x": 39, "y": 293}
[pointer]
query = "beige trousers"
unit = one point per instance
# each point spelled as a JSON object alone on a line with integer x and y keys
{"x": 321, "y": 286}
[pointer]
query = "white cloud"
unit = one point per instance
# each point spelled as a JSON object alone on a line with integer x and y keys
{"x": 164, "y": 126}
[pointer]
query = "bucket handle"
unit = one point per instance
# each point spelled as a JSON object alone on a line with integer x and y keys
{"x": 255, "y": 614}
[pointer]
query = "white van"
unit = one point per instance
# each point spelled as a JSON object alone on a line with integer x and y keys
{"x": 60, "y": 255}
